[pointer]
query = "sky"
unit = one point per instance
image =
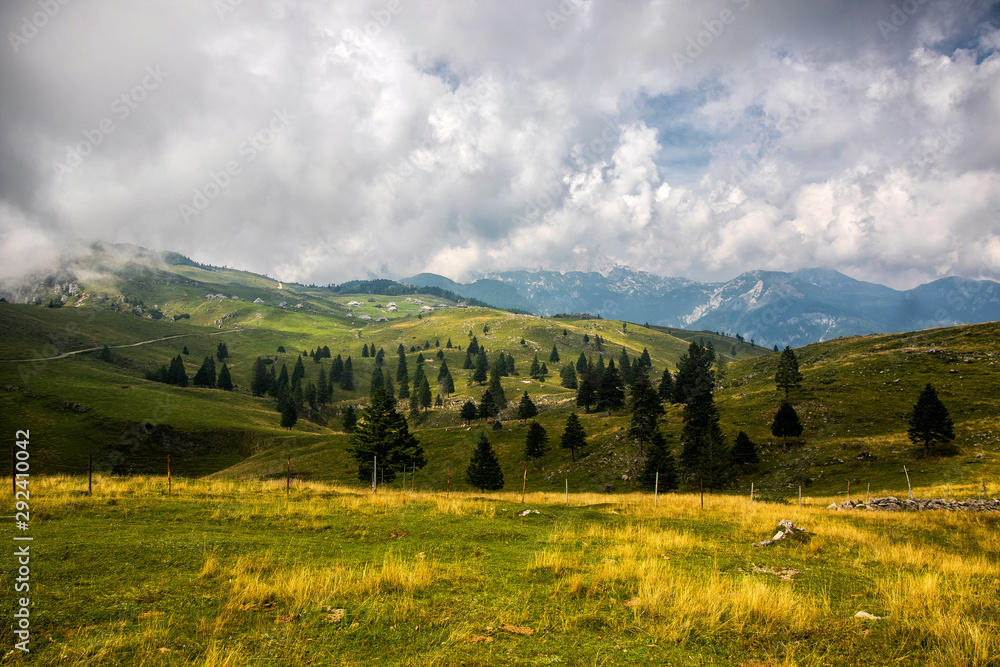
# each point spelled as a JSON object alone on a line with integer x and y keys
{"x": 322, "y": 142}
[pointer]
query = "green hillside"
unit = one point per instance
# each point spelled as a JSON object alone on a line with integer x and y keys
{"x": 855, "y": 396}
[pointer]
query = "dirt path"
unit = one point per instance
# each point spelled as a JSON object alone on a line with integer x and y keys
{"x": 116, "y": 347}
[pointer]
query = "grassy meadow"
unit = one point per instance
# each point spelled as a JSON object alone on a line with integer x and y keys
{"x": 231, "y": 573}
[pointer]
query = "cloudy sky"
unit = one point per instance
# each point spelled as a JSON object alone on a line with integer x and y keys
{"x": 321, "y": 142}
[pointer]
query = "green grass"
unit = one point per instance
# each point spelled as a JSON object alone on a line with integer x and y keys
{"x": 230, "y": 573}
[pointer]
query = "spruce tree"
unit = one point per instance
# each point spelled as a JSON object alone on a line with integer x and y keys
{"x": 347, "y": 376}
{"x": 205, "y": 377}
{"x": 930, "y": 422}
{"x": 282, "y": 383}
{"x": 744, "y": 452}
{"x": 350, "y": 419}
{"x": 574, "y": 437}
{"x": 585, "y": 395}
{"x": 105, "y": 354}
{"x": 567, "y": 377}
{"x": 310, "y": 394}
{"x": 581, "y": 364}
{"x": 610, "y": 393}
{"x": 258, "y": 378}
{"x": 222, "y": 352}
{"x": 448, "y": 385}
{"x": 225, "y": 380}
{"x": 402, "y": 370}
{"x": 535, "y": 441}
{"x": 272, "y": 382}
{"x": 468, "y": 364}
{"x": 484, "y": 472}
{"x": 694, "y": 373}
{"x": 704, "y": 453}
{"x": 646, "y": 409}
{"x": 645, "y": 358}
{"x": 474, "y": 346}
{"x": 186, "y": 350}
{"x": 536, "y": 368}
{"x": 469, "y": 412}
{"x": 666, "y": 388}
{"x": 390, "y": 388}
{"x": 378, "y": 381}
{"x": 364, "y": 351}
{"x": 425, "y": 396}
{"x": 322, "y": 387}
{"x": 299, "y": 371}
{"x": 554, "y": 355}
{"x": 786, "y": 423}
{"x": 481, "y": 372}
{"x": 659, "y": 460}
{"x": 176, "y": 374}
{"x": 384, "y": 433}
{"x": 443, "y": 371}
{"x": 336, "y": 368}
{"x": 788, "y": 376}
{"x": 289, "y": 415}
{"x": 526, "y": 408}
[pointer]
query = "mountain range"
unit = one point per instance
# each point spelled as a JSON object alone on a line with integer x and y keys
{"x": 769, "y": 307}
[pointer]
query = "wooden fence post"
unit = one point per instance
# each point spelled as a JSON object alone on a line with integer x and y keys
{"x": 751, "y": 494}
{"x": 701, "y": 483}
{"x": 168, "y": 474}
{"x": 90, "y": 474}
{"x": 909, "y": 488}
{"x": 524, "y": 484}
{"x": 288, "y": 475}
{"x": 656, "y": 489}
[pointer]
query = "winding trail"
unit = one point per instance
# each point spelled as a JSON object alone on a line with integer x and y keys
{"x": 116, "y": 347}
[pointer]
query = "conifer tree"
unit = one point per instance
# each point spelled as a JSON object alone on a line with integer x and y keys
{"x": 310, "y": 394}
{"x": 448, "y": 385}
{"x": 567, "y": 377}
{"x": 666, "y": 389}
{"x": 625, "y": 367}
{"x": 535, "y": 441}
{"x": 610, "y": 393}
{"x": 176, "y": 373}
{"x": 554, "y": 355}
{"x": 347, "y": 376}
{"x": 469, "y": 412}
{"x": 448, "y": 344}
{"x": 442, "y": 371}
{"x": 222, "y": 352}
{"x": 744, "y": 452}
{"x": 930, "y": 422}
{"x": 484, "y": 472}
{"x": 364, "y": 351}
{"x": 511, "y": 366}
{"x": 350, "y": 419}
{"x": 289, "y": 415}
{"x": 704, "y": 453}
{"x": 788, "y": 376}
{"x": 425, "y": 396}
{"x": 299, "y": 371}
{"x": 526, "y": 409}
{"x": 336, "y": 368}
{"x": 535, "y": 369}
{"x": 205, "y": 377}
{"x": 379, "y": 356}
{"x": 390, "y": 388}
{"x": 468, "y": 360}
{"x": 581, "y": 364}
{"x": 282, "y": 383}
{"x": 482, "y": 368}
{"x": 574, "y": 437}
{"x": 543, "y": 372}
{"x": 378, "y": 380}
{"x": 384, "y": 433}
{"x": 694, "y": 373}
{"x": 186, "y": 350}
{"x": 258, "y": 378}
{"x": 474, "y": 346}
{"x": 659, "y": 460}
{"x": 225, "y": 380}
{"x": 322, "y": 387}
{"x": 645, "y": 358}
{"x": 786, "y": 423}
{"x": 585, "y": 395}
{"x": 105, "y": 354}
{"x": 272, "y": 382}
{"x": 646, "y": 409}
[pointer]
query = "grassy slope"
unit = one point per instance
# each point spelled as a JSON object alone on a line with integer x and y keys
{"x": 850, "y": 401}
{"x": 224, "y": 573}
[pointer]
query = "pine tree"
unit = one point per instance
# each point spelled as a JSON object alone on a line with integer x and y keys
{"x": 350, "y": 419}
{"x": 222, "y": 352}
{"x": 511, "y": 366}
{"x": 258, "y": 378}
{"x": 310, "y": 395}
{"x": 694, "y": 374}
{"x": 610, "y": 393}
{"x": 930, "y": 422}
{"x": 336, "y": 368}
{"x": 666, "y": 388}
{"x": 205, "y": 377}
{"x": 535, "y": 441}
{"x": 378, "y": 381}
{"x": 481, "y": 371}
{"x": 788, "y": 376}
{"x": 105, "y": 354}
{"x": 322, "y": 387}
{"x": 526, "y": 408}
{"x": 744, "y": 452}
{"x": 704, "y": 453}
{"x": 567, "y": 377}
{"x": 379, "y": 356}
{"x": 447, "y": 385}
{"x": 474, "y": 346}
{"x": 469, "y": 412}
{"x": 390, "y": 388}
{"x": 299, "y": 371}
{"x": 543, "y": 372}
{"x": 535, "y": 369}
{"x": 554, "y": 355}
{"x": 468, "y": 360}
{"x": 625, "y": 367}
{"x": 289, "y": 415}
{"x": 581, "y": 364}
{"x": 573, "y": 437}
{"x": 786, "y": 423}
{"x": 448, "y": 344}
{"x": 384, "y": 433}
{"x": 646, "y": 409}
{"x": 176, "y": 373}
{"x": 347, "y": 376}
{"x": 364, "y": 351}
{"x": 585, "y": 395}
{"x": 272, "y": 382}
{"x": 225, "y": 380}
{"x": 424, "y": 394}
{"x": 186, "y": 350}
{"x": 443, "y": 371}
{"x": 645, "y": 358}
{"x": 484, "y": 472}
{"x": 659, "y": 460}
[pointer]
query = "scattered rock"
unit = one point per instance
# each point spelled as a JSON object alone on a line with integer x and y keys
{"x": 893, "y": 504}
{"x": 785, "y": 529}
{"x": 868, "y": 617}
{"x": 527, "y": 512}
{"x": 784, "y": 575}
